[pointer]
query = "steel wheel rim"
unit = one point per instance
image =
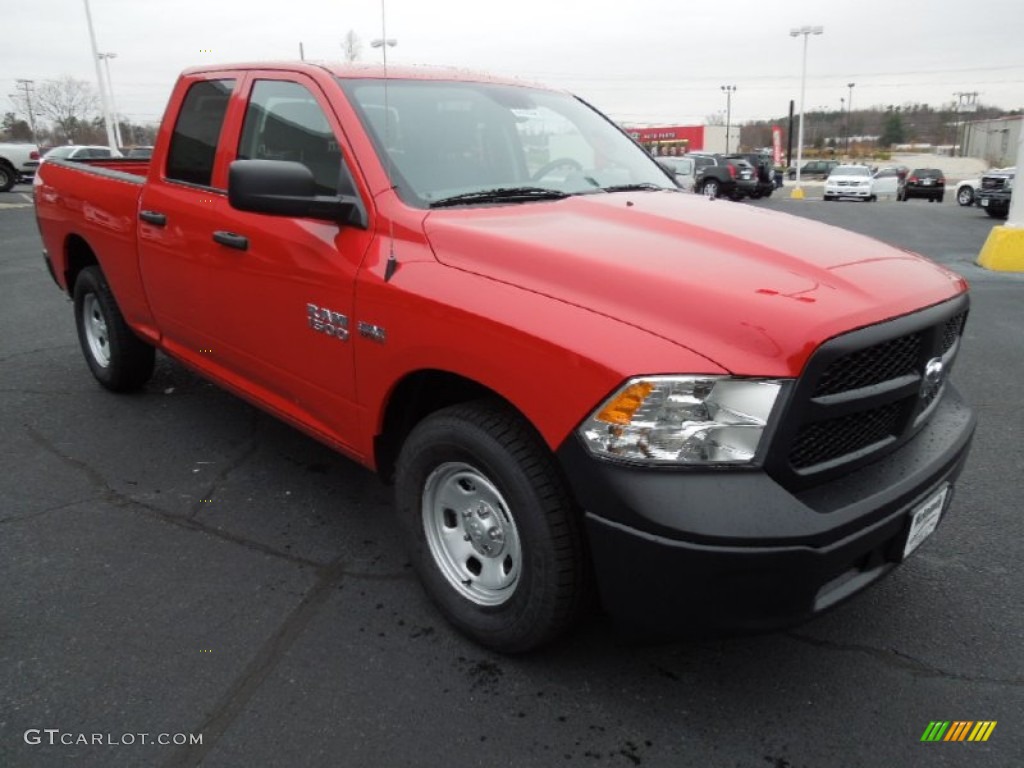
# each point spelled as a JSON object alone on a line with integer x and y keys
{"x": 964, "y": 198}
{"x": 471, "y": 534}
{"x": 710, "y": 190}
{"x": 95, "y": 325}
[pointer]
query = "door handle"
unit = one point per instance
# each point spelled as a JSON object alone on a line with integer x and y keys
{"x": 231, "y": 240}
{"x": 154, "y": 218}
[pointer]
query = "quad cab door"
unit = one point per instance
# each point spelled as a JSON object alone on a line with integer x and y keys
{"x": 273, "y": 295}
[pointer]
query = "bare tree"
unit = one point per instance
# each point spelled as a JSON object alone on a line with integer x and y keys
{"x": 67, "y": 103}
{"x": 715, "y": 118}
{"x": 351, "y": 46}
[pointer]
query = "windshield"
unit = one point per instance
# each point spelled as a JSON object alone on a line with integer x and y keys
{"x": 851, "y": 170}
{"x": 58, "y": 152}
{"x": 451, "y": 139}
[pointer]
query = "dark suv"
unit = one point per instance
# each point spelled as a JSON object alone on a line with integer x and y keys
{"x": 765, "y": 172}
{"x": 995, "y": 191}
{"x": 924, "y": 182}
{"x": 719, "y": 176}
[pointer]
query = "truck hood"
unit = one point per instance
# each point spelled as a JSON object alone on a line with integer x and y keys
{"x": 755, "y": 291}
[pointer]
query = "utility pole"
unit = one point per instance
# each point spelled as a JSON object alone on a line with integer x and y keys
{"x": 729, "y": 91}
{"x": 966, "y": 101}
{"x": 28, "y": 86}
{"x": 849, "y": 114}
{"x": 111, "y": 136}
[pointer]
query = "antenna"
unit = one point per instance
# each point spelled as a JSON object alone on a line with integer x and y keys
{"x": 384, "y": 43}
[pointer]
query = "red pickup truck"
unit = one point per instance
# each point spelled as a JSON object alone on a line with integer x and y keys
{"x": 575, "y": 374}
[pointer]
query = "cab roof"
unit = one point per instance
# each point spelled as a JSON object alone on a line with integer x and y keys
{"x": 355, "y": 71}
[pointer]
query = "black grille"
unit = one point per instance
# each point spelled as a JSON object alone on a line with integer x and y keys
{"x": 827, "y": 440}
{"x": 952, "y": 330}
{"x": 993, "y": 182}
{"x": 862, "y": 395}
{"x": 873, "y": 365}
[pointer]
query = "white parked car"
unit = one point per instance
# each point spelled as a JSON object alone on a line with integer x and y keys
{"x": 81, "y": 152}
{"x": 850, "y": 181}
{"x": 683, "y": 168}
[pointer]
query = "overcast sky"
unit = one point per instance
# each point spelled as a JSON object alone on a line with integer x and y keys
{"x": 657, "y": 62}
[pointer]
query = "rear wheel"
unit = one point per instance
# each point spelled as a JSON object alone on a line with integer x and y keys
{"x": 490, "y": 526}
{"x": 118, "y": 359}
{"x": 8, "y": 177}
{"x": 711, "y": 188}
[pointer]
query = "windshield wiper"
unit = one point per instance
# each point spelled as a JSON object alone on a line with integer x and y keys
{"x": 642, "y": 187}
{"x": 501, "y": 195}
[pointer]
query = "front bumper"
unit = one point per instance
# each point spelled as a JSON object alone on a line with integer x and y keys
{"x": 837, "y": 191}
{"x": 996, "y": 201}
{"x": 693, "y": 552}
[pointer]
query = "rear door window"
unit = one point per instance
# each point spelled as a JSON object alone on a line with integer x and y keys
{"x": 197, "y": 131}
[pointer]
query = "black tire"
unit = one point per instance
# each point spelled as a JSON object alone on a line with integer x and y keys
{"x": 940, "y": 198}
{"x": 965, "y": 196}
{"x": 480, "y": 464}
{"x": 997, "y": 214}
{"x": 8, "y": 177}
{"x": 119, "y": 359}
{"x": 711, "y": 188}
{"x": 829, "y": 198}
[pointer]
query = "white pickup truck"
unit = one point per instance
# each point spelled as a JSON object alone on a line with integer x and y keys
{"x": 17, "y": 161}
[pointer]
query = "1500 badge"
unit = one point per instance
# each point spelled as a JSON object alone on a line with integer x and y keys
{"x": 323, "y": 320}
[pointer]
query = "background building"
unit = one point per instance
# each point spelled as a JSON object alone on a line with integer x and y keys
{"x": 994, "y": 141}
{"x": 680, "y": 139}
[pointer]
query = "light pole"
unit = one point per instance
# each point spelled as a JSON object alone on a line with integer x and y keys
{"x": 111, "y": 136}
{"x": 798, "y": 192}
{"x": 106, "y": 57}
{"x": 849, "y": 114}
{"x": 729, "y": 91}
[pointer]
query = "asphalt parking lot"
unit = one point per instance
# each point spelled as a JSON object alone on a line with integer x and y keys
{"x": 176, "y": 563}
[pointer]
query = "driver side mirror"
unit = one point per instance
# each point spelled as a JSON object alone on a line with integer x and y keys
{"x": 287, "y": 188}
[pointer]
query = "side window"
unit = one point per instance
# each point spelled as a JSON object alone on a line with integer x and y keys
{"x": 284, "y": 122}
{"x": 194, "y": 141}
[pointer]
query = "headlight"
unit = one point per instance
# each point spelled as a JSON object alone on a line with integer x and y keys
{"x": 1008, "y": 184}
{"x": 682, "y": 420}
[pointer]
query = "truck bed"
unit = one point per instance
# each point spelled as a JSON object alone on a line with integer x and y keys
{"x": 94, "y": 202}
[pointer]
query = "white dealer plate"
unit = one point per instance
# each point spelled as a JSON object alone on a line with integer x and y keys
{"x": 924, "y": 519}
{"x": 984, "y": 202}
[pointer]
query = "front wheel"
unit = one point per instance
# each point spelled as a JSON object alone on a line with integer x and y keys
{"x": 965, "y": 196}
{"x": 118, "y": 358}
{"x": 490, "y": 527}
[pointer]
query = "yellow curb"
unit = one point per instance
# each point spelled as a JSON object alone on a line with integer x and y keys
{"x": 1003, "y": 250}
{"x": 797, "y": 194}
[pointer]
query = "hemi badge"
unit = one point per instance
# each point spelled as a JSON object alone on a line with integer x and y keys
{"x": 373, "y": 332}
